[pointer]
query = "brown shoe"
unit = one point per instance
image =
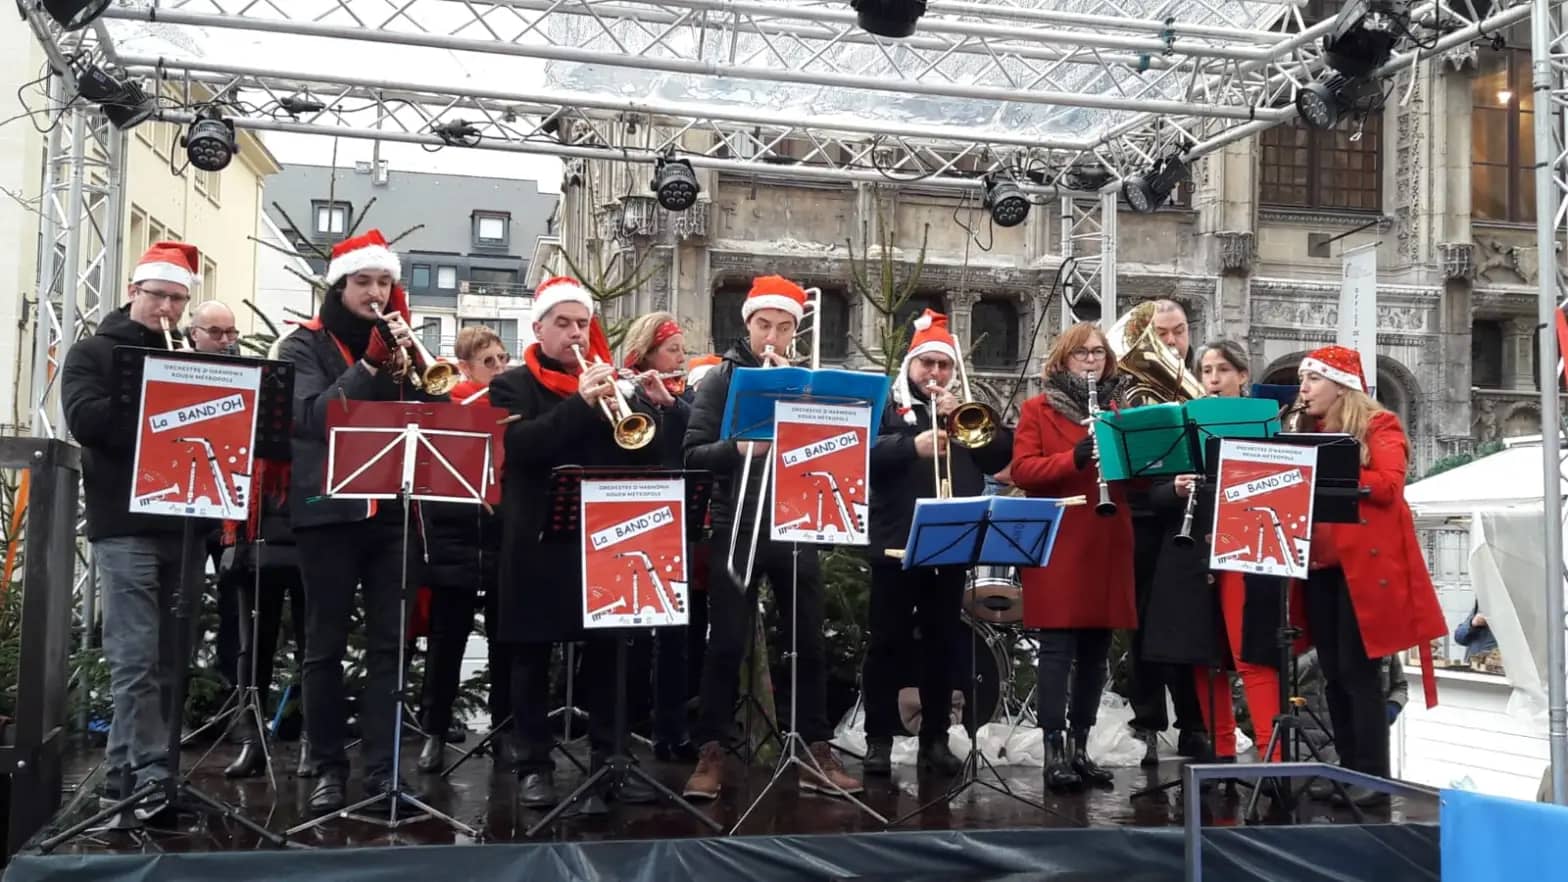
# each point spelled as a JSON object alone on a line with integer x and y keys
{"x": 708, "y": 779}
{"x": 837, "y": 781}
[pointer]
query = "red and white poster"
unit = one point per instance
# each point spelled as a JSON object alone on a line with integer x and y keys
{"x": 195, "y": 434}
{"x": 1263, "y": 510}
{"x": 822, "y": 455}
{"x": 634, "y": 553}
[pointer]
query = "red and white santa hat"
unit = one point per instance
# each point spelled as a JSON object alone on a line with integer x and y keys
{"x": 700, "y": 367}
{"x": 174, "y": 262}
{"x": 774, "y": 292}
{"x": 369, "y": 251}
{"x": 557, "y": 290}
{"x": 1337, "y": 364}
{"x": 931, "y": 336}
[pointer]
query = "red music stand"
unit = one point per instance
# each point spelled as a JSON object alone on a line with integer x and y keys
{"x": 412, "y": 451}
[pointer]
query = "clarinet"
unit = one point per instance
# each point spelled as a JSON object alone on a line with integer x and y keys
{"x": 1105, "y": 507}
{"x": 1183, "y": 538}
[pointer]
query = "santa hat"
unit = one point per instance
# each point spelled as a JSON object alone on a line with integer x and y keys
{"x": 774, "y": 292}
{"x": 557, "y": 290}
{"x": 699, "y": 367}
{"x": 367, "y": 252}
{"x": 174, "y": 262}
{"x": 931, "y": 336}
{"x": 1337, "y": 364}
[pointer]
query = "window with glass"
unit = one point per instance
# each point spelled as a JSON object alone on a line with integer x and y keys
{"x": 419, "y": 277}
{"x": 506, "y": 329}
{"x": 1486, "y": 354}
{"x": 446, "y": 278}
{"x": 1502, "y": 136}
{"x": 490, "y": 229}
{"x": 725, "y": 322}
{"x": 331, "y": 218}
{"x": 993, "y": 333}
{"x": 1303, "y": 167}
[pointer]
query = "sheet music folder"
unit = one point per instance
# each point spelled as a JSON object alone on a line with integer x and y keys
{"x": 996, "y": 530}
{"x": 748, "y": 412}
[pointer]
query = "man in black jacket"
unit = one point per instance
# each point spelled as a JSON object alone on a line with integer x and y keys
{"x": 346, "y": 352}
{"x": 138, "y": 556}
{"x": 772, "y": 311}
{"x": 901, "y": 473}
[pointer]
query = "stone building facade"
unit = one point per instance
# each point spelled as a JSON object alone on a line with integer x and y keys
{"x": 1253, "y": 250}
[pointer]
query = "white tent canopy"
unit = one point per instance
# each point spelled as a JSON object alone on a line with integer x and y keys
{"x": 1503, "y": 480}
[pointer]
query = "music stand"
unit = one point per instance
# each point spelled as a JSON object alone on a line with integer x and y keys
{"x": 990, "y": 530}
{"x": 270, "y": 441}
{"x": 566, "y": 522}
{"x": 417, "y": 451}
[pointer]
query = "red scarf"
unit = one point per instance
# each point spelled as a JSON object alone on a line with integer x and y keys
{"x": 559, "y": 382}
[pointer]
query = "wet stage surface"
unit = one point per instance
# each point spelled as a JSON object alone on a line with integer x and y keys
{"x": 486, "y": 799}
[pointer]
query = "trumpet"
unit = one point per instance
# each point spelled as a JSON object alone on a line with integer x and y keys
{"x": 168, "y": 336}
{"x": 1106, "y": 506}
{"x": 633, "y": 430}
{"x": 422, "y": 369}
{"x": 743, "y": 579}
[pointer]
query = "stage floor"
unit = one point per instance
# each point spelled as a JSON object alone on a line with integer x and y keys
{"x": 486, "y": 800}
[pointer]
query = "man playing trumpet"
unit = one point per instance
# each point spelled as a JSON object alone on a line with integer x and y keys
{"x": 911, "y": 438}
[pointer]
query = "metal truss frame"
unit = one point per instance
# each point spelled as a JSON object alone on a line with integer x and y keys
{"x": 1088, "y": 241}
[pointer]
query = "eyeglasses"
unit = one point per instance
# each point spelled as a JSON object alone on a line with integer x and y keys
{"x": 226, "y": 333}
{"x": 495, "y": 361}
{"x": 163, "y": 296}
{"x": 1094, "y": 354}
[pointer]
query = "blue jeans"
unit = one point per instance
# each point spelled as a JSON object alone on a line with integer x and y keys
{"x": 140, "y": 578}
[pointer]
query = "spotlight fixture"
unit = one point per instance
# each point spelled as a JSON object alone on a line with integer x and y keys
{"x": 210, "y": 144}
{"x": 1323, "y": 104}
{"x": 888, "y": 18}
{"x": 73, "y": 15}
{"x": 1145, "y": 193}
{"x": 1364, "y": 35}
{"x": 675, "y": 183}
{"x": 121, "y": 100}
{"x": 1006, "y": 201}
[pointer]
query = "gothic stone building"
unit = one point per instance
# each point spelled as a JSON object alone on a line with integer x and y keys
{"x": 1440, "y": 182}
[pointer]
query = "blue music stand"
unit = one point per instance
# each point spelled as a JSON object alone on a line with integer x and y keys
{"x": 993, "y": 530}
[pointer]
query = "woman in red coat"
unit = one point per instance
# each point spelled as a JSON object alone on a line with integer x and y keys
{"x": 1368, "y": 592}
{"x": 1086, "y": 589}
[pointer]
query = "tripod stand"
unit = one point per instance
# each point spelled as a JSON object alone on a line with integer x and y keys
{"x": 567, "y": 712}
{"x": 246, "y": 700}
{"x": 177, "y": 792}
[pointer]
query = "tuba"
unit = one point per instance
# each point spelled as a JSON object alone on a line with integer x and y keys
{"x": 1158, "y": 374}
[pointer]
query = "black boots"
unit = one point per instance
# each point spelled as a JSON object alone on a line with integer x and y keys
{"x": 331, "y": 790}
{"x": 1088, "y": 771}
{"x": 935, "y": 756}
{"x": 879, "y": 757}
{"x": 1151, "y": 746}
{"x": 431, "y": 754}
{"x": 1195, "y": 746}
{"x": 252, "y": 761}
{"x": 1059, "y": 774}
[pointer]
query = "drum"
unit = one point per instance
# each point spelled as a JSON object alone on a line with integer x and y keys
{"x": 985, "y": 668}
{"x": 995, "y": 596}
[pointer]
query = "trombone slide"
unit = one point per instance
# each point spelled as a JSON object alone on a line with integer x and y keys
{"x": 743, "y": 579}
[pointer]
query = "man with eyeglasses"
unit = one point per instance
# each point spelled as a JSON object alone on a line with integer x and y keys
{"x": 138, "y": 556}
{"x": 213, "y": 329}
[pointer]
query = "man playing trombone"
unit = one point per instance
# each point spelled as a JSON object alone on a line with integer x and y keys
{"x": 772, "y": 312}
{"x": 921, "y": 451}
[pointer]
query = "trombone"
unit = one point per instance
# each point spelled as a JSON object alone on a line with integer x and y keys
{"x": 423, "y": 370}
{"x": 633, "y": 430}
{"x": 743, "y": 579}
{"x": 168, "y": 336}
{"x": 973, "y": 424}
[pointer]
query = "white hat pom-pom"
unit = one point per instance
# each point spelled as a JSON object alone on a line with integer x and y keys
{"x": 923, "y": 323}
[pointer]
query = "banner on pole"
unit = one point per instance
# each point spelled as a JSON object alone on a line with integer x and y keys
{"x": 1358, "y": 309}
{"x": 195, "y": 438}
{"x": 634, "y": 553}
{"x": 1263, "y": 509}
{"x": 822, "y": 455}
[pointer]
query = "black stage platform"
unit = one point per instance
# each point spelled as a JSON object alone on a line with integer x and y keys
{"x": 1094, "y": 836}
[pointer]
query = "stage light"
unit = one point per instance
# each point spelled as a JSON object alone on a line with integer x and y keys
{"x": 1323, "y": 105}
{"x": 73, "y": 15}
{"x": 1084, "y": 306}
{"x": 1364, "y": 35}
{"x": 210, "y": 144}
{"x": 888, "y": 18}
{"x": 121, "y": 101}
{"x": 1007, "y": 203}
{"x": 1145, "y": 193}
{"x": 675, "y": 183}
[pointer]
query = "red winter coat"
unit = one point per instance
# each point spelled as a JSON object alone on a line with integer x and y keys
{"x": 1390, "y": 587}
{"x": 1088, "y": 581}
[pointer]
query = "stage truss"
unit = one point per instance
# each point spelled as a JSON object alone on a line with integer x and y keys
{"x": 1066, "y": 97}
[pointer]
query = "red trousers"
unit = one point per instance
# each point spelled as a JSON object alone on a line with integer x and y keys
{"x": 1261, "y": 683}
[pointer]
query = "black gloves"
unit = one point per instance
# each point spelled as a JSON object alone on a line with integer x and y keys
{"x": 1083, "y": 453}
{"x": 380, "y": 348}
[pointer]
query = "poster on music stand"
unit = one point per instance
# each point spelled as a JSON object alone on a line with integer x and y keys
{"x": 1263, "y": 508}
{"x": 634, "y": 553}
{"x": 822, "y": 457}
{"x": 195, "y": 438}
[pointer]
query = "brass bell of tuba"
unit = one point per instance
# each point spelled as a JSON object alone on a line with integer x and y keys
{"x": 1158, "y": 373}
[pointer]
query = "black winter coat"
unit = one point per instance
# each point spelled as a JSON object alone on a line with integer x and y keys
{"x": 321, "y": 378}
{"x": 106, "y": 430}
{"x": 277, "y": 549}
{"x": 705, "y": 450}
{"x": 899, "y": 476}
{"x": 462, "y": 546}
{"x": 541, "y": 595}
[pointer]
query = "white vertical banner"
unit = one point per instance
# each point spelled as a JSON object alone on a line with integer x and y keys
{"x": 1358, "y": 309}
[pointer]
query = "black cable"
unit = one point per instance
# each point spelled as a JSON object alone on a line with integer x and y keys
{"x": 1045, "y": 310}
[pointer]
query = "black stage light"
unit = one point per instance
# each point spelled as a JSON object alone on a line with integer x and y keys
{"x": 1323, "y": 105}
{"x": 73, "y": 15}
{"x": 888, "y": 18}
{"x": 1364, "y": 35}
{"x": 122, "y": 101}
{"x": 675, "y": 183}
{"x": 210, "y": 144}
{"x": 1006, "y": 201}
{"x": 1145, "y": 193}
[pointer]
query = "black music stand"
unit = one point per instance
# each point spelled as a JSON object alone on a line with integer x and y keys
{"x": 955, "y": 538}
{"x": 409, "y": 444}
{"x": 565, "y": 522}
{"x": 271, "y": 442}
